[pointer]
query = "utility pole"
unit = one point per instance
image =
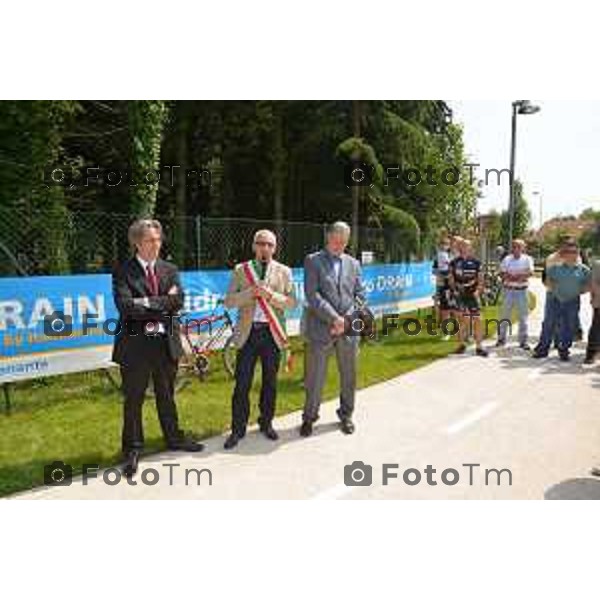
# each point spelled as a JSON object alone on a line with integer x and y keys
{"x": 356, "y": 190}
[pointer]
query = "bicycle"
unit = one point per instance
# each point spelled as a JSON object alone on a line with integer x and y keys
{"x": 492, "y": 288}
{"x": 195, "y": 361}
{"x": 220, "y": 340}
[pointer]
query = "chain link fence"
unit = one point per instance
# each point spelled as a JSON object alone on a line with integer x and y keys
{"x": 63, "y": 242}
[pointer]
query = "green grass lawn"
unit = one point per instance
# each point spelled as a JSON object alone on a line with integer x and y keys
{"x": 77, "y": 418}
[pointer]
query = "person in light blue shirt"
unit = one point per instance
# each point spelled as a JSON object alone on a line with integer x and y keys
{"x": 567, "y": 281}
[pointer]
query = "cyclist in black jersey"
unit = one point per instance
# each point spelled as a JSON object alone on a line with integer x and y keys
{"x": 466, "y": 279}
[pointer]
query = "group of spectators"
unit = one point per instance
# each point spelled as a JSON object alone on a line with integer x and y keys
{"x": 567, "y": 275}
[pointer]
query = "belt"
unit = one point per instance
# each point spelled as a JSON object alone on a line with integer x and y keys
{"x": 506, "y": 287}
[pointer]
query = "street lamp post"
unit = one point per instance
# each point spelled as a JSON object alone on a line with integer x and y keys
{"x": 519, "y": 107}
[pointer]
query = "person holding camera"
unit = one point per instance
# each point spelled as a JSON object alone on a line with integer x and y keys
{"x": 148, "y": 295}
{"x": 566, "y": 278}
{"x": 333, "y": 288}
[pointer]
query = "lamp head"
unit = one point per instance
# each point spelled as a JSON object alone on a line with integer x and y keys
{"x": 524, "y": 107}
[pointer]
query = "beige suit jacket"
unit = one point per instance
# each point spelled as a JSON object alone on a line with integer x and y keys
{"x": 240, "y": 295}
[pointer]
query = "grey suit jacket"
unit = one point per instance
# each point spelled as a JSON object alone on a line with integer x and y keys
{"x": 326, "y": 297}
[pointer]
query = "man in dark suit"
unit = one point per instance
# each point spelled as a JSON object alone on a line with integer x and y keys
{"x": 148, "y": 294}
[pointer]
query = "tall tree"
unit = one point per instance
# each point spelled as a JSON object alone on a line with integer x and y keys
{"x": 146, "y": 123}
{"x": 30, "y": 147}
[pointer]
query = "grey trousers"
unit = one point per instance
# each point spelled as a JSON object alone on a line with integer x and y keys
{"x": 316, "y": 371}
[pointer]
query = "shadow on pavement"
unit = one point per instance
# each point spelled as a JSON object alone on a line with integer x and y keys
{"x": 580, "y": 488}
{"x": 512, "y": 357}
{"x": 254, "y": 443}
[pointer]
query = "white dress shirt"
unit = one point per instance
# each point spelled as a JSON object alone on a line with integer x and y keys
{"x": 336, "y": 259}
{"x": 145, "y": 300}
{"x": 259, "y": 313}
{"x": 517, "y": 266}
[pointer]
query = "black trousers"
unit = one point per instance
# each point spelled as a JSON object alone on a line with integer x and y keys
{"x": 156, "y": 362}
{"x": 593, "y": 344}
{"x": 260, "y": 344}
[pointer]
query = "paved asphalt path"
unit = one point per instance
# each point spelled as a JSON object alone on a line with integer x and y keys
{"x": 538, "y": 418}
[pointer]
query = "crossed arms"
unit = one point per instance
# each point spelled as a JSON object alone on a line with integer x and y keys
{"x": 147, "y": 306}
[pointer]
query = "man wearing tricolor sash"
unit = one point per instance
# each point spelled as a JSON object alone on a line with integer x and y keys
{"x": 261, "y": 289}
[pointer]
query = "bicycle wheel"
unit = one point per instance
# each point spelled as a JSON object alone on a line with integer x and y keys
{"x": 497, "y": 295}
{"x": 186, "y": 372}
{"x": 182, "y": 378}
{"x": 190, "y": 364}
{"x": 229, "y": 356}
{"x": 113, "y": 377}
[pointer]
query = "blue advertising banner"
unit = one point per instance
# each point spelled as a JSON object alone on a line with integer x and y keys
{"x": 86, "y": 301}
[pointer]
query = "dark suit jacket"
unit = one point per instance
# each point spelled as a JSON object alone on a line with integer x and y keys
{"x": 129, "y": 282}
{"x": 327, "y": 297}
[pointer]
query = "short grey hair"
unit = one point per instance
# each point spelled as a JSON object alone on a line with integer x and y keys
{"x": 264, "y": 233}
{"x": 339, "y": 227}
{"x": 138, "y": 229}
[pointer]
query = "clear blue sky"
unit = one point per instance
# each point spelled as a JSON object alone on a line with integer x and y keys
{"x": 558, "y": 152}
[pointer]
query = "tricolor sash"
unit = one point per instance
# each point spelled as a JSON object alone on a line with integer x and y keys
{"x": 275, "y": 324}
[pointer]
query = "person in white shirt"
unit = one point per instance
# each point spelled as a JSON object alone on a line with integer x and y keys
{"x": 516, "y": 269}
{"x": 441, "y": 270}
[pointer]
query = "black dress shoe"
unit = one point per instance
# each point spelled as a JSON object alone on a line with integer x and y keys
{"x": 563, "y": 355}
{"x": 537, "y": 353}
{"x": 269, "y": 432}
{"x": 525, "y": 346}
{"x": 306, "y": 429}
{"x": 481, "y": 352}
{"x": 186, "y": 445}
{"x": 595, "y": 471}
{"x": 232, "y": 441}
{"x": 131, "y": 463}
{"x": 347, "y": 426}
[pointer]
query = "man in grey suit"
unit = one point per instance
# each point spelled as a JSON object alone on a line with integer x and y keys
{"x": 332, "y": 288}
